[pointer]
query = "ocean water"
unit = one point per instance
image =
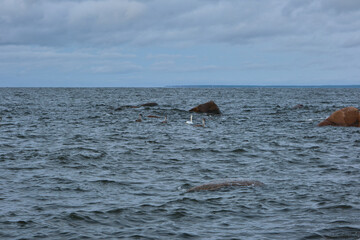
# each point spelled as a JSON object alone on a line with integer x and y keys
{"x": 73, "y": 167}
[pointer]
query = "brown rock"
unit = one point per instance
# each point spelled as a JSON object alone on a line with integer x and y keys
{"x": 209, "y": 107}
{"x": 217, "y": 186}
{"x": 346, "y": 117}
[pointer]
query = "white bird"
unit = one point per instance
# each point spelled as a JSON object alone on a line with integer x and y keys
{"x": 190, "y": 122}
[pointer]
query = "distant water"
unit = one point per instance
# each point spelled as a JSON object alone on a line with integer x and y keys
{"x": 74, "y": 168}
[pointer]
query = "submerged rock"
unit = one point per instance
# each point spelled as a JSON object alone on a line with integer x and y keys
{"x": 151, "y": 104}
{"x": 346, "y": 117}
{"x": 209, "y": 107}
{"x": 124, "y": 107}
{"x": 298, "y": 106}
{"x": 217, "y": 186}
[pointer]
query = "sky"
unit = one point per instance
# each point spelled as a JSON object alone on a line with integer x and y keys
{"x": 156, "y": 43}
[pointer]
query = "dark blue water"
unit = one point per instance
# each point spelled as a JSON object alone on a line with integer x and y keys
{"x": 74, "y": 168}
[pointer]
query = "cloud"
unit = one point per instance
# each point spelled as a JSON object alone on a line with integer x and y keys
{"x": 138, "y": 23}
{"x": 340, "y": 7}
{"x": 159, "y": 39}
{"x": 64, "y": 22}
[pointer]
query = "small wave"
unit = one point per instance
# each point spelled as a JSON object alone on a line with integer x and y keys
{"x": 184, "y": 187}
{"x": 23, "y": 168}
{"x": 93, "y": 154}
{"x": 113, "y": 182}
{"x": 196, "y": 150}
{"x": 184, "y": 200}
{"x": 173, "y": 160}
{"x": 340, "y": 222}
{"x": 178, "y": 214}
{"x": 239, "y": 150}
{"x": 340, "y": 206}
{"x": 21, "y": 136}
{"x": 23, "y": 223}
{"x": 93, "y": 117}
{"x": 104, "y": 181}
{"x": 81, "y": 152}
{"x": 60, "y": 180}
{"x": 5, "y": 145}
{"x": 80, "y": 217}
{"x": 187, "y": 236}
{"x": 116, "y": 211}
{"x": 224, "y": 185}
{"x": 67, "y": 189}
{"x": 3, "y": 124}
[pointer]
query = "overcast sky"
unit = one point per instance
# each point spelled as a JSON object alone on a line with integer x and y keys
{"x": 124, "y": 43}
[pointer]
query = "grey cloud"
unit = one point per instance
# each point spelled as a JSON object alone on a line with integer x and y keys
{"x": 114, "y": 22}
{"x": 63, "y": 22}
{"x": 342, "y": 6}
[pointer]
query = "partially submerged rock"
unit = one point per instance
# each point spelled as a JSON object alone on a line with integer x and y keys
{"x": 124, "y": 107}
{"x": 346, "y": 117}
{"x": 217, "y": 186}
{"x": 298, "y": 106}
{"x": 150, "y": 104}
{"x": 209, "y": 107}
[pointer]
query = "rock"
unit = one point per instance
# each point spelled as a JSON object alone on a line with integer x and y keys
{"x": 151, "y": 104}
{"x": 298, "y": 106}
{"x": 124, "y": 107}
{"x": 209, "y": 107}
{"x": 217, "y": 186}
{"x": 346, "y": 117}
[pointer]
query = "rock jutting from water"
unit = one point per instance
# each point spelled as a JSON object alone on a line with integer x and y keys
{"x": 150, "y": 104}
{"x": 220, "y": 185}
{"x": 209, "y": 107}
{"x": 345, "y": 117}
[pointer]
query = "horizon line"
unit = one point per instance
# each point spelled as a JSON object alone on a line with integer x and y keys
{"x": 204, "y": 86}
{"x": 264, "y": 86}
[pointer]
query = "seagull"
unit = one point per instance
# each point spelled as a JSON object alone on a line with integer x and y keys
{"x": 190, "y": 122}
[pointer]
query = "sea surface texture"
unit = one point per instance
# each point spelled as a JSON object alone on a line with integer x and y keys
{"x": 73, "y": 166}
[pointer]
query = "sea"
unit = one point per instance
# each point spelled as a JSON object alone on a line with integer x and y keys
{"x": 74, "y": 164}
